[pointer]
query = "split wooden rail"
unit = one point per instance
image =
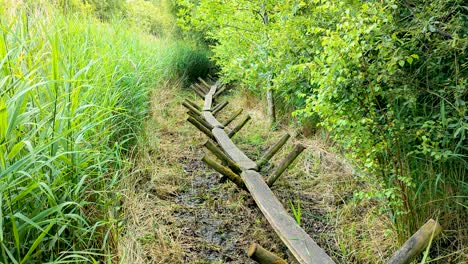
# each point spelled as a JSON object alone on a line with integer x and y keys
{"x": 244, "y": 172}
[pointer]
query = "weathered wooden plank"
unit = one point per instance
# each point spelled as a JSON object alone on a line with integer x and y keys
{"x": 304, "y": 249}
{"x": 232, "y": 150}
{"x": 208, "y": 102}
{"x": 416, "y": 243}
{"x": 209, "y": 117}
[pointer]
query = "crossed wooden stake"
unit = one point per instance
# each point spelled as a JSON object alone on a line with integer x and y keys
{"x": 244, "y": 172}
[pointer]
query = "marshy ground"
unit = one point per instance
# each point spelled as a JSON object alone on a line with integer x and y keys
{"x": 179, "y": 211}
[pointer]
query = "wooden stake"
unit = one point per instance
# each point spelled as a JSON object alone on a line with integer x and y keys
{"x": 193, "y": 104}
{"x": 236, "y": 179}
{"x": 202, "y": 88}
{"x": 201, "y": 127}
{"x": 230, "y": 119}
{"x": 202, "y": 121}
{"x": 219, "y": 107}
{"x": 263, "y": 256}
{"x": 416, "y": 243}
{"x": 272, "y": 150}
{"x": 198, "y": 92}
{"x": 239, "y": 126}
{"x": 191, "y": 108}
{"x": 220, "y": 155}
{"x": 284, "y": 164}
{"x": 203, "y": 81}
{"x": 221, "y": 90}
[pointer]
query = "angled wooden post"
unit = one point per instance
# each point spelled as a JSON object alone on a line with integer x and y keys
{"x": 198, "y": 92}
{"x": 232, "y": 117}
{"x": 285, "y": 164}
{"x": 204, "y": 83}
{"x": 236, "y": 179}
{"x": 220, "y": 155}
{"x": 263, "y": 256}
{"x": 272, "y": 150}
{"x": 219, "y": 107}
{"x": 191, "y": 108}
{"x": 193, "y": 104}
{"x": 201, "y": 120}
{"x": 202, "y": 88}
{"x": 221, "y": 90}
{"x": 416, "y": 243}
{"x": 239, "y": 126}
{"x": 201, "y": 127}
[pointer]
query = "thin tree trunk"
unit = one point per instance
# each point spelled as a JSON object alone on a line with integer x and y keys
{"x": 271, "y": 107}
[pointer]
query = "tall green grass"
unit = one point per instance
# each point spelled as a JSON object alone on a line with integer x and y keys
{"x": 73, "y": 94}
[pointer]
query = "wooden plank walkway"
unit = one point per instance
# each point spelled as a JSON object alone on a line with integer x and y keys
{"x": 301, "y": 245}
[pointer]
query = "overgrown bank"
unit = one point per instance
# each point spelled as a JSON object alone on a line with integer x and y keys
{"x": 73, "y": 96}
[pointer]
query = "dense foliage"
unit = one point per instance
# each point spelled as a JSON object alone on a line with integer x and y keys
{"x": 387, "y": 78}
{"x": 73, "y": 94}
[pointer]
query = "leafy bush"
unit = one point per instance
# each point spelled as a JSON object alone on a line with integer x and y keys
{"x": 387, "y": 78}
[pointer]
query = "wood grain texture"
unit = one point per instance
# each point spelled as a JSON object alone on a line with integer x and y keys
{"x": 209, "y": 117}
{"x": 232, "y": 150}
{"x": 294, "y": 237}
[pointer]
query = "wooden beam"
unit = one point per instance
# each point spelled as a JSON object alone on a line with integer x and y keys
{"x": 202, "y": 88}
{"x": 232, "y": 117}
{"x": 200, "y": 127}
{"x": 201, "y": 120}
{"x": 209, "y": 117}
{"x": 416, "y": 243}
{"x": 239, "y": 126}
{"x": 198, "y": 92}
{"x": 284, "y": 164}
{"x": 223, "y": 157}
{"x": 193, "y": 104}
{"x": 263, "y": 256}
{"x": 221, "y": 90}
{"x": 232, "y": 150}
{"x": 208, "y": 102}
{"x": 225, "y": 171}
{"x": 304, "y": 249}
{"x": 219, "y": 107}
{"x": 272, "y": 150}
{"x": 203, "y": 81}
{"x": 191, "y": 108}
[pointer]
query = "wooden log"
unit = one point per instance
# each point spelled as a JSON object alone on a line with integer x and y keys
{"x": 221, "y": 90}
{"x": 209, "y": 117}
{"x": 233, "y": 116}
{"x": 193, "y": 104}
{"x": 201, "y": 120}
{"x": 204, "y": 83}
{"x": 202, "y": 88}
{"x": 220, "y": 155}
{"x": 219, "y": 107}
{"x": 232, "y": 150}
{"x": 191, "y": 108}
{"x": 201, "y": 127}
{"x": 284, "y": 164}
{"x": 272, "y": 150}
{"x": 301, "y": 245}
{"x": 198, "y": 92}
{"x": 263, "y": 256}
{"x": 416, "y": 243}
{"x": 225, "y": 171}
{"x": 239, "y": 126}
